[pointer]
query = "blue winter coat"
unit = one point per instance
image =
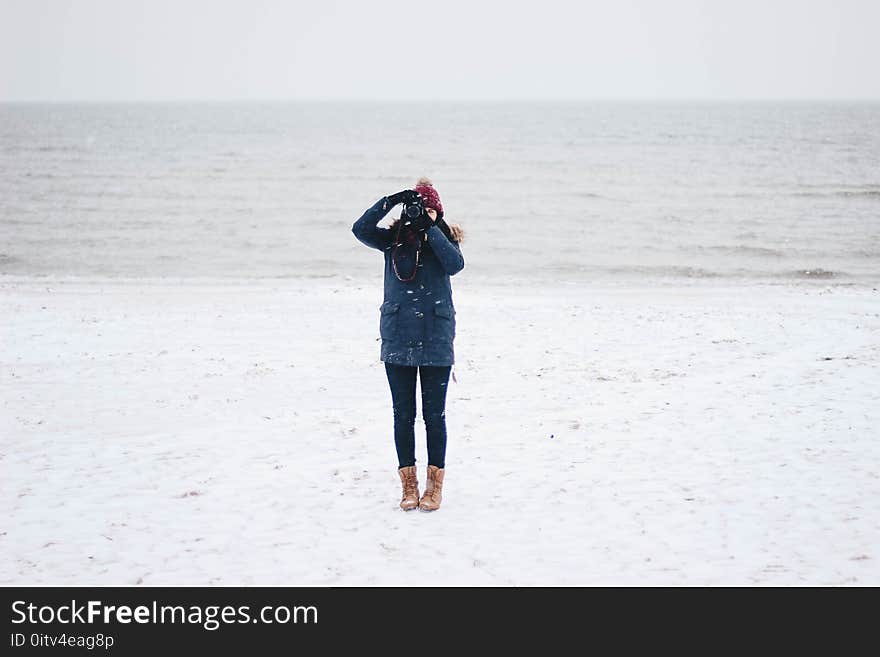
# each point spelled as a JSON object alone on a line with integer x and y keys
{"x": 417, "y": 318}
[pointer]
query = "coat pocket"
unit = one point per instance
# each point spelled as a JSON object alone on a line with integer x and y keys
{"x": 444, "y": 323}
{"x": 388, "y": 320}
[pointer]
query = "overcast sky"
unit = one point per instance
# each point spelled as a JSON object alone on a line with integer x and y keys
{"x": 441, "y": 49}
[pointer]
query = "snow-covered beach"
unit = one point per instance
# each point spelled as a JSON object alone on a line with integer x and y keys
{"x": 204, "y": 431}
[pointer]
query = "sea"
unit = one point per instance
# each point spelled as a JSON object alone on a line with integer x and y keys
{"x": 546, "y": 192}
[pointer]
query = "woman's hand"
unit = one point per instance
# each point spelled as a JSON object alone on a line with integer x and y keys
{"x": 406, "y": 196}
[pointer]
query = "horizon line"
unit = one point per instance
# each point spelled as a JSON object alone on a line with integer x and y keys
{"x": 634, "y": 99}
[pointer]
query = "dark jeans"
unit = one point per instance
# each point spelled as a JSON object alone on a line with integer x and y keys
{"x": 434, "y": 380}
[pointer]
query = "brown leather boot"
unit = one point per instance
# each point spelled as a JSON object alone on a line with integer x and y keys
{"x": 410, "y": 482}
{"x": 433, "y": 489}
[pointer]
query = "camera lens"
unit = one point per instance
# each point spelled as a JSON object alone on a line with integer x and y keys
{"x": 413, "y": 211}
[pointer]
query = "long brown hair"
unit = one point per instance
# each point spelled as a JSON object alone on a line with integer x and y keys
{"x": 454, "y": 232}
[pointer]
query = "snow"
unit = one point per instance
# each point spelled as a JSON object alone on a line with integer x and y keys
{"x": 240, "y": 432}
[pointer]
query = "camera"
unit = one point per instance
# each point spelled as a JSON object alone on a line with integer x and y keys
{"x": 413, "y": 208}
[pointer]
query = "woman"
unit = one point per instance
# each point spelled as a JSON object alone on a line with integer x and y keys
{"x": 417, "y": 326}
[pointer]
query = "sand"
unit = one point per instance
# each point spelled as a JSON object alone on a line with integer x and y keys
{"x": 176, "y": 432}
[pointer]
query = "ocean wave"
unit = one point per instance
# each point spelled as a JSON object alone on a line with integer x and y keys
{"x": 866, "y": 193}
{"x": 838, "y": 191}
{"x": 675, "y": 271}
{"x": 814, "y": 273}
{"x": 581, "y": 194}
{"x": 739, "y": 249}
{"x": 867, "y": 253}
{"x": 689, "y": 272}
{"x": 55, "y": 149}
{"x": 805, "y": 191}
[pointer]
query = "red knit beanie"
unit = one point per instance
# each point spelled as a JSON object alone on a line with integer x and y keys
{"x": 429, "y": 195}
